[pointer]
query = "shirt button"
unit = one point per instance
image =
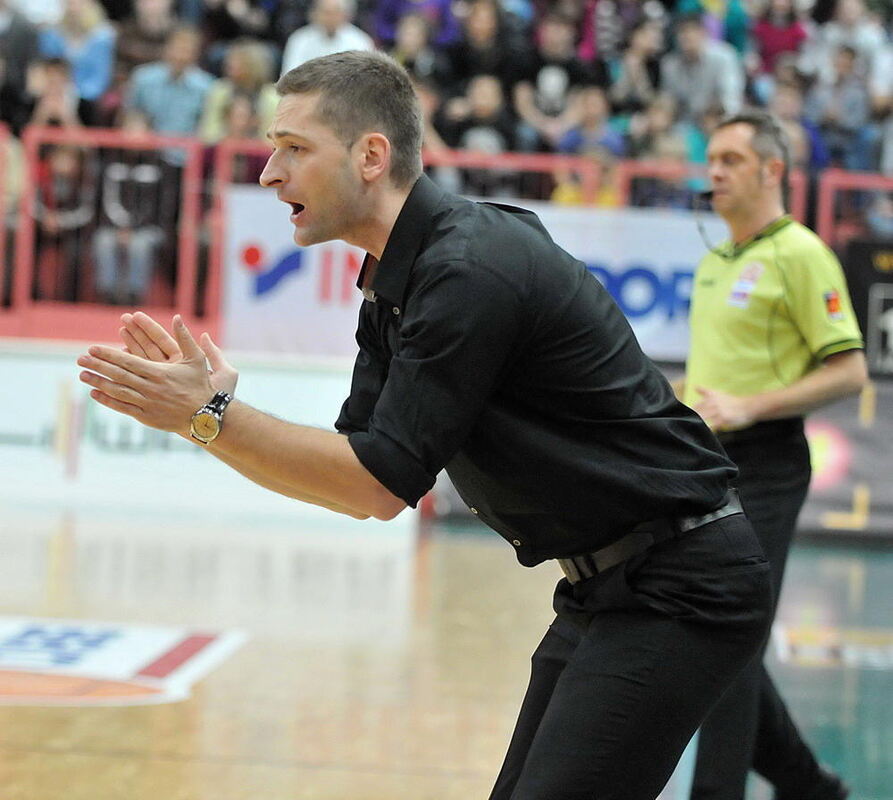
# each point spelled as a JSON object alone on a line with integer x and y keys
{"x": 473, "y": 510}
{"x": 516, "y": 542}
{"x": 396, "y": 311}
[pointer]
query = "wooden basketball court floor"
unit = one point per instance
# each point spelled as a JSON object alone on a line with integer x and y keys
{"x": 389, "y": 670}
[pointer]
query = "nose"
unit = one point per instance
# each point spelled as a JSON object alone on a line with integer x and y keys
{"x": 272, "y": 175}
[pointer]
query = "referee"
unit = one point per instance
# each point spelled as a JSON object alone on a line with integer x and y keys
{"x": 773, "y": 336}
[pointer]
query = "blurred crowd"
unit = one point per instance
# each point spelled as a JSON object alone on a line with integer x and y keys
{"x": 619, "y": 78}
{"x": 611, "y": 79}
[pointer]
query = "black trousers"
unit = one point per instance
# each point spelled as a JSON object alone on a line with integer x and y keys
{"x": 633, "y": 662}
{"x": 750, "y": 726}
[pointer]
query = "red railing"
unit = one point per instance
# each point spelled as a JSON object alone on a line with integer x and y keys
{"x": 30, "y": 317}
{"x": 675, "y": 172}
{"x": 833, "y": 231}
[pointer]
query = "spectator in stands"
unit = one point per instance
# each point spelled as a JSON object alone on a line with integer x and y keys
{"x": 439, "y": 13}
{"x": 700, "y": 73}
{"x": 777, "y": 31}
{"x": 241, "y": 121}
{"x": 607, "y": 27}
{"x": 18, "y": 49}
{"x": 853, "y": 26}
{"x": 841, "y": 109}
{"x": 880, "y": 88}
{"x": 52, "y": 98}
{"x": 879, "y": 220}
{"x": 11, "y": 187}
{"x": 171, "y": 93}
{"x": 431, "y": 103}
{"x": 64, "y": 210}
{"x": 247, "y": 71}
{"x": 787, "y": 105}
{"x": 286, "y": 16}
{"x": 637, "y": 71}
{"x": 725, "y": 20}
{"x": 570, "y": 189}
{"x": 592, "y": 132}
{"x": 330, "y": 31}
{"x": 128, "y": 239}
{"x": 487, "y": 46}
{"x": 413, "y": 50}
{"x": 787, "y": 71}
{"x": 141, "y": 37}
{"x": 551, "y": 75}
{"x": 654, "y": 133}
{"x": 85, "y": 39}
{"x": 480, "y": 122}
{"x": 227, "y": 20}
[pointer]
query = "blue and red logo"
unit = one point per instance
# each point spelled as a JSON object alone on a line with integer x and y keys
{"x": 267, "y": 277}
{"x": 338, "y": 267}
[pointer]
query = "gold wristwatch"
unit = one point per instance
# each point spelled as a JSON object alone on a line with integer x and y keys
{"x": 207, "y": 422}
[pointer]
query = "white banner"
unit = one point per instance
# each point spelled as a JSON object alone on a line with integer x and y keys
{"x": 142, "y": 521}
{"x": 279, "y": 297}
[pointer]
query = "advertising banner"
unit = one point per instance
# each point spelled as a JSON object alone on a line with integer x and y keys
{"x": 869, "y": 269}
{"x": 51, "y": 662}
{"x": 279, "y": 297}
{"x": 124, "y": 516}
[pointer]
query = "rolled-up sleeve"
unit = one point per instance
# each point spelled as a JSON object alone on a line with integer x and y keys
{"x": 369, "y": 371}
{"x": 459, "y": 333}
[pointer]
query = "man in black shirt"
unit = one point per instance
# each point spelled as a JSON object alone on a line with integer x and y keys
{"x": 488, "y": 350}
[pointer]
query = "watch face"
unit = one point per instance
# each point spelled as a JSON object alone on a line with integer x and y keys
{"x": 205, "y": 425}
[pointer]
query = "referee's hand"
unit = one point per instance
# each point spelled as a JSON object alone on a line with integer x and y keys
{"x": 722, "y": 411}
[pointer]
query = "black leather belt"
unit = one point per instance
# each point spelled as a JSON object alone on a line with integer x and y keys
{"x": 640, "y": 538}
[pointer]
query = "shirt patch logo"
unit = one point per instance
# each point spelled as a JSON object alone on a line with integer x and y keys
{"x": 832, "y": 305}
{"x": 744, "y": 286}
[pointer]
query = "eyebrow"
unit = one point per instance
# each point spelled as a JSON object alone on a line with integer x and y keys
{"x": 272, "y": 136}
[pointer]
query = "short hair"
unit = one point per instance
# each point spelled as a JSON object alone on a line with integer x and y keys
{"x": 55, "y": 62}
{"x": 769, "y": 140}
{"x": 690, "y": 19}
{"x": 361, "y": 92}
{"x": 257, "y": 58}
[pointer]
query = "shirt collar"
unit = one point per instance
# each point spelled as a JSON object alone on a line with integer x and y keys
{"x": 405, "y": 241}
{"x": 770, "y": 229}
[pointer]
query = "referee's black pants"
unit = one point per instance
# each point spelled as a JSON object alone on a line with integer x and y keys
{"x": 633, "y": 662}
{"x": 750, "y": 726}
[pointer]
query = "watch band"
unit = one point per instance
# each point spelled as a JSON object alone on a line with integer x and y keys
{"x": 219, "y": 402}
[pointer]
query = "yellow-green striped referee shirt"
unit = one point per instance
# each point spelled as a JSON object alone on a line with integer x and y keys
{"x": 767, "y": 313}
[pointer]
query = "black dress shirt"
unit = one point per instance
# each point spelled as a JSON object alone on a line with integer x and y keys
{"x": 487, "y": 349}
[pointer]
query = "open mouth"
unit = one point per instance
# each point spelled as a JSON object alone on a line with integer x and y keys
{"x": 296, "y": 209}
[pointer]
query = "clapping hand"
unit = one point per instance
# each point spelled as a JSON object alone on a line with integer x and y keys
{"x": 164, "y": 382}
{"x": 144, "y": 337}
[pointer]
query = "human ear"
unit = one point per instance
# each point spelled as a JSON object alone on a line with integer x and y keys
{"x": 374, "y": 153}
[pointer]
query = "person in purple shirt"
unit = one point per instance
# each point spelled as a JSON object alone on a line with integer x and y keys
{"x": 444, "y": 26}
